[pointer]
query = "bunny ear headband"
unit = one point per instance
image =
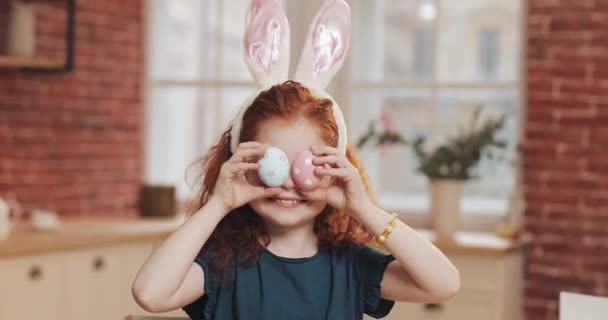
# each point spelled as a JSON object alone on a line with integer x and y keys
{"x": 267, "y": 54}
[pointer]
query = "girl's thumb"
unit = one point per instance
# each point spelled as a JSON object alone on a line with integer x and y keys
{"x": 269, "y": 192}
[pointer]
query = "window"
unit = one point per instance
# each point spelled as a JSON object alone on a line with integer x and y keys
{"x": 423, "y": 61}
{"x": 428, "y": 63}
{"x": 196, "y": 79}
{"x": 489, "y": 52}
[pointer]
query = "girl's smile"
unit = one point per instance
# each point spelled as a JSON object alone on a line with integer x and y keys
{"x": 287, "y": 201}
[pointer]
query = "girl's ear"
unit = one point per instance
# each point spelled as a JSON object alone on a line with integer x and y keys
{"x": 266, "y": 42}
{"x": 326, "y": 45}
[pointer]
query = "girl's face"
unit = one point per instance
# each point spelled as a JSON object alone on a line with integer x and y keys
{"x": 290, "y": 208}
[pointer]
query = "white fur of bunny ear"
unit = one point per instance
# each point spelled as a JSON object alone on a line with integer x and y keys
{"x": 338, "y": 117}
{"x": 266, "y": 50}
{"x": 266, "y": 42}
{"x": 237, "y": 123}
{"x": 326, "y": 45}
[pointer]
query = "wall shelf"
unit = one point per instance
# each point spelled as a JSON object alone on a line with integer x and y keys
{"x": 25, "y": 62}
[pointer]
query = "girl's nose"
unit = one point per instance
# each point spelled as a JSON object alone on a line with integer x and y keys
{"x": 289, "y": 184}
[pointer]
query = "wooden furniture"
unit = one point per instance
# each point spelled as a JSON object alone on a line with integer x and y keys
{"x": 21, "y": 62}
{"x": 491, "y": 281}
{"x": 84, "y": 271}
{"x": 575, "y": 306}
{"x": 134, "y": 317}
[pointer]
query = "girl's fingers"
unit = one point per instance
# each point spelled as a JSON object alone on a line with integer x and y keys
{"x": 243, "y": 166}
{"x": 251, "y": 144}
{"x": 264, "y": 192}
{"x": 332, "y": 172}
{"x": 248, "y": 153}
{"x": 324, "y": 151}
{"x": 269, "y": 192}
{"x": 336, "y": 161}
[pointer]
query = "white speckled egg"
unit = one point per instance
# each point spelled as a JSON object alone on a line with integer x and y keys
{"x": 274, "y": 167}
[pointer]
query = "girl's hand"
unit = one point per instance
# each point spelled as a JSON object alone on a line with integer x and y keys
{"x": 346, "y": 192}
{"x": 232, "y": 190}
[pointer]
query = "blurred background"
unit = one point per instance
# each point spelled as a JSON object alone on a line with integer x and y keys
{"x": 105, "y": 106}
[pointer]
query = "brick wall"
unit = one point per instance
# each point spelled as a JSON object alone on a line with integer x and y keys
{"x": 72, "y": 142}
{"x": 566, "y": 142}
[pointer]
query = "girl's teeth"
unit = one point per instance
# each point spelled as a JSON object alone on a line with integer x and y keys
{"x": 287, "y": 202}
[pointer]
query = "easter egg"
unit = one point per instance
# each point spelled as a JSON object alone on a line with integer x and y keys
{"x": 274, "y": 167}
{"x": 302, "y": 171}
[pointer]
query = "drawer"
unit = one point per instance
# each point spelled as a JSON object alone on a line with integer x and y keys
{"x": 467, "y": 305}
{"x": 31, "y": 288}
{"x": 133, "y": 257}
{"x": 93, "y": 284}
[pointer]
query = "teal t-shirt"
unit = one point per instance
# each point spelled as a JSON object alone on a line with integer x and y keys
{"x": 338, "y": 284}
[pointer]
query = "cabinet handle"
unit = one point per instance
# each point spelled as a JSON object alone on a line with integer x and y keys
{"x": 435, "y": 307}
{"x": 35, "y": 273}
{"x": 98, "y": 264}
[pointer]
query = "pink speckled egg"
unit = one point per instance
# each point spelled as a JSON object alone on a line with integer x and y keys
{"x": 302, "y": 171}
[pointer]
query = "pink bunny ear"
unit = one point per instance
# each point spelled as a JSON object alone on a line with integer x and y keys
{"x": 267, "y": 42}
{"x": 326, "y": 45}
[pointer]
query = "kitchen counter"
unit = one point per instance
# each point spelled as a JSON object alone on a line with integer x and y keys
{"x": 86, "y": 232}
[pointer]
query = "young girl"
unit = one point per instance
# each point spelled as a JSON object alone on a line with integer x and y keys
{"x": 251, "y": 251}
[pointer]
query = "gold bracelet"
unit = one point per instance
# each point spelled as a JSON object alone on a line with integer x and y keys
{"x": 389, "y": 228}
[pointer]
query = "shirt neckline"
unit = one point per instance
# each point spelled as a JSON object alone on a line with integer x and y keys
{"x": 293, "y": 260}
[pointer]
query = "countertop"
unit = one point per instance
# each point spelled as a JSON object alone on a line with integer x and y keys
{"x": 85, "y": 232}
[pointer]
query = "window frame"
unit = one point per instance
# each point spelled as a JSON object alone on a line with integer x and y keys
{"x": 485, "y": 219}
{"x": 342, "y": 88}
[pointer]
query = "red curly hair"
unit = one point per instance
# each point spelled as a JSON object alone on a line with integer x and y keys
{"x": 241, "y": 231}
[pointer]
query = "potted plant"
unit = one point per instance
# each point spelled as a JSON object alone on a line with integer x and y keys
{"x": 450, "y": 163}
{"x": 383, "y": 136}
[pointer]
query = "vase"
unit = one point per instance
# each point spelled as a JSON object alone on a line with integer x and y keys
{"x": 445, "y": 208}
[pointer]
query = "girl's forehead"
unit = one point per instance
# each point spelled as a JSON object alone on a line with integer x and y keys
{"x": 290, "y": 136}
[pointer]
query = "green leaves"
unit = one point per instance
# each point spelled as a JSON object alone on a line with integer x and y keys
{"x": 461, "y": 153}
{"x": 458, "y": 156}
{"x": 378, "y": 138}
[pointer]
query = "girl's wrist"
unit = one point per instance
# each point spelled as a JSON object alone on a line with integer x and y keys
{"x": 362, "y": 208}
{"x": 216, "y": 206}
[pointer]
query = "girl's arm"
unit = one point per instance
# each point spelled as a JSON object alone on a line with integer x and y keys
{"x": 169, "y": 279}
{"x": 421, "y": 273}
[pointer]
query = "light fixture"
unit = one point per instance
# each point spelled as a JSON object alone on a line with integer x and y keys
{"x": 427, "y": 11}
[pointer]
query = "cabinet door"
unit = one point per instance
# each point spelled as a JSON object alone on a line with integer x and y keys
{"x": 31, "y": 288}
{"x": 471, "y": 304}
{"x": 134, "y": 257}
{"x": 403, "y": 310}
{"x": 466, "y": 305}
{"x": 93, "y": 283}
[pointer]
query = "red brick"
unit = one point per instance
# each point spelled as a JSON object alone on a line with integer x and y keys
{"x": 62, "y": 144}
{"x": 566, "y": 152}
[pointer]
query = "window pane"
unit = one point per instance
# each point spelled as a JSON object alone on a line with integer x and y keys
{"x": 455, "y": 109}
{"x": 392, "y": 169}
{"x": 183, "y": 39}
{"x": 479, "y": 40}
{"x": 393, "y": 40}
{"x": 231, "y": 99}
{"x": 179, "y": 128}
{"x": 233, "y": 66}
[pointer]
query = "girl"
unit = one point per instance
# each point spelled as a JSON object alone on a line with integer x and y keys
{"x": 251, "y": 251}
